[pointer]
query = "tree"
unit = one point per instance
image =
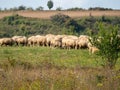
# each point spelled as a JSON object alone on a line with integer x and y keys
{"x": 59, "y": 9}
{"x": 108, "y": 43}
{"x": 40, "y": 8}
{"x": 30, "y": 8}
{"x": 0, "y": 9}
{"x": 21, "y": 7}
{"x": 50, "y": 4}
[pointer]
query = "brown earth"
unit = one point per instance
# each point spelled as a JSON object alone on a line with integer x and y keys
{"x": 48, "y": 14}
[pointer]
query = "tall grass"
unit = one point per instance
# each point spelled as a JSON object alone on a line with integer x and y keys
{"x": 46, "y": 78}
{"x": 42, "y": 68}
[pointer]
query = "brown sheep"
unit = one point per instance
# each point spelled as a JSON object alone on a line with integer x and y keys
{"x": 93, "y": 49}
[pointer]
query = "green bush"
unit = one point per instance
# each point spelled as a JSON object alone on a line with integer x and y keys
{"x": 108, "y": 43}
{"x": 59, "y": 19}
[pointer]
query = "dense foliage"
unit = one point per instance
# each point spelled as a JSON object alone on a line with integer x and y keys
{"x": 50, "y": 4}
{"x": 58, "y": 24}
{"x": 21, "y": 7}
{"x": 100, "y": 8}
{"x": 108, "y": 43}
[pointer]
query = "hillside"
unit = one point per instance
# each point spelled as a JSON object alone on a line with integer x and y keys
{"x": 12, "y": 23}
{"x": 45, "y": 68}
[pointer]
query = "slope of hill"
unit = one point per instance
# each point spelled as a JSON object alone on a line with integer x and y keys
{"x": 19, "y": 25}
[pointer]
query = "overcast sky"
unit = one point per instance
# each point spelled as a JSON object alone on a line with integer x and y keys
{"x": 115, "y": 4}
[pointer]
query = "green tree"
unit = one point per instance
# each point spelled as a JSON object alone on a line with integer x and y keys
{"x": 40, "y": 8}
{"x": 30, "y": 8}
{"x": 21, "y": 7}
{"x": 108, "y": 43}
{"x": 59, "y": 19}
{"x": 58, "y": 8}
{"x": 50, "y": 4}
{"x": 0, "y": 9}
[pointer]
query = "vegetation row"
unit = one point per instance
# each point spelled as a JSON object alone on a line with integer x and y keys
{"x": 58, "y": 24}
{"x": 40, "y": 8}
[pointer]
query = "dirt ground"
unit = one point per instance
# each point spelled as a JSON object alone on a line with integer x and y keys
{"x": 48, "y": 14}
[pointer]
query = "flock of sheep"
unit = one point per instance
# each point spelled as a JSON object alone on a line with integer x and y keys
{"x": 50, "y": 40}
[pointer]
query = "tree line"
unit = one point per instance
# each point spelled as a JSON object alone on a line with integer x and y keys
{"x": 50, "y": 5}
{"x": 40, "y": 8}
{"x": 22, "y": 7}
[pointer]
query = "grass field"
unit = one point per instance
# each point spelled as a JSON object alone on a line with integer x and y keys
{"x": 48, "y": 14}
{"x": 57, "y": 57}
{"x": 43, "y": 68}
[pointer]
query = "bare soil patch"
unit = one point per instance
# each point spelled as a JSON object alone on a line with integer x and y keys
{"x": 48, "y": 14}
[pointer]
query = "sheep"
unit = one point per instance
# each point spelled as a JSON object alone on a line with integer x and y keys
{"x": 32, "y": 41}
{"x": 72, "y": 37}
{"x": 69, "y": 42}
{"x": 6, "y": 41}
{"x": 49, "y": 38}
{"x": 93, "y": 49}
{"x": 41, "y": 40}
{"x": 20, "y": 40}
{"x": 82, "y": 42}
{"x": 57, "y": 41}
{"x": 62, "y": 41}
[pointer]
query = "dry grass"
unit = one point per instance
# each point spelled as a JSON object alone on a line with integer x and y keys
{"x": 48, "y": 14}
{"x": 20, "y": 74}
{"x": 18, "y": 78}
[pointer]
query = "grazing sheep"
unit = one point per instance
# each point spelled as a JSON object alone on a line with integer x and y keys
{"x": 41, "y": 40}
{"x": 32, "y": 41}
{"x": 20, "y": 40}
{"x": 93, "y": 49}
{"x": 6, "y": 41}
{"x": 49, "y": 38}
{"x": 69, "y": 42}
{"x": 61, "y": 41}
{"x": 57, "y": 41}
{"x": 82, "y": 42}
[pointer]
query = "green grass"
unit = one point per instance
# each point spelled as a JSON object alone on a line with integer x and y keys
{"x": 44, "y": 68}
{"x": 54, "y": 56}
{"x": 58, "y": 57}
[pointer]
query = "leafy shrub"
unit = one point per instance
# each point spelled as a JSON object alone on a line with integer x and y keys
{"x": 108, "y": 43}
{"x": 59, "y": 19}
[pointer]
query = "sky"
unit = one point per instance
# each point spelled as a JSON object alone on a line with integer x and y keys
{"x": 64, "y": 4}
